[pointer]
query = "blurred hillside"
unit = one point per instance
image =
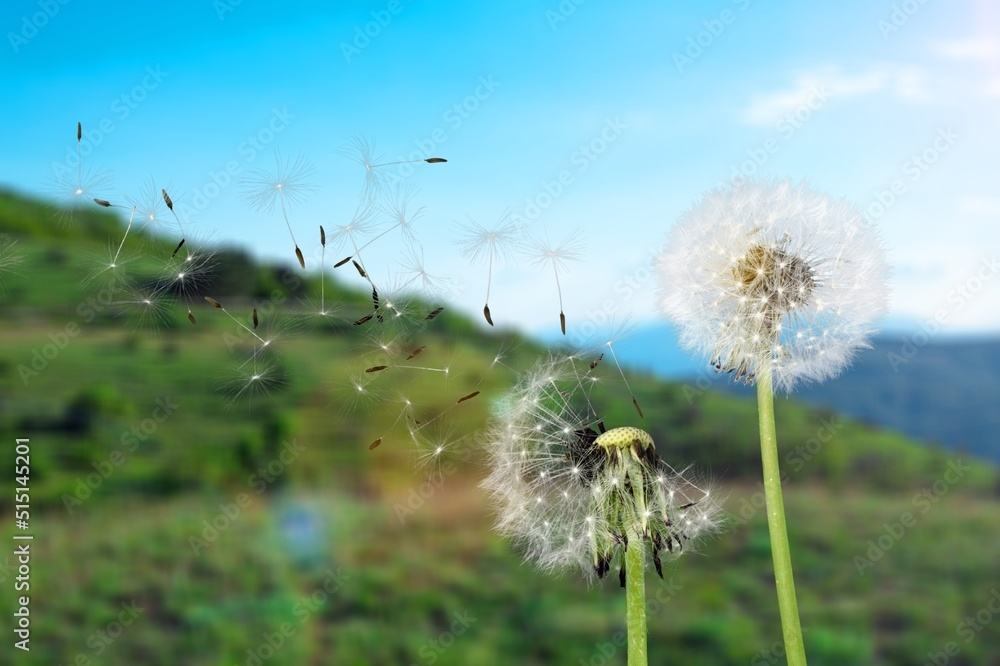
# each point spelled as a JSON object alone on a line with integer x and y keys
{"x": 132, "y": 506}
{"x": 939, "y": 391}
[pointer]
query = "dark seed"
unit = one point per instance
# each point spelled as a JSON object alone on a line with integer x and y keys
{"x": 214, "y": 302}
{"x": 102, "y": 202}
{"x": 178, "y": 248}
{"x": 376, "y": 368}
{"x": 298, "y": 253}
{"x": 364, "y": 320}
{"x": 658, "y": 564}
{"x": 166, "y": 198}
{"x": 360, "y": 270}
{"x": 637, "y": 408}
{"x": 562, "y": 322}
{"x": 593, "y": 364}
{"x": 435, "y": 160}
{"x": 322, "y": 236}
{"x": 191, "y": 317}
{"x": 415, "y": 352}
{"x": 486, "y": 313}
{"x": 255, "y": 322}
{"x": 621, "y": 576}
{"x": 375, "y": 444}
{"x": 435, "y": 313}
{"x": 468, "y": 397}
{"x": 79, "y": 131}
{"x": 341, "y": 262}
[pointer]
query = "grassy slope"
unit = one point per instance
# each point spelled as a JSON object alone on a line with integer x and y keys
{"x": 130, "y": 539}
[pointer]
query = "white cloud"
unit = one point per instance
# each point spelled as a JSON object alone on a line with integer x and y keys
{"x": 970, "y": 48}
{"x": 980, "y": 205}
{"x": 906, "y": 82}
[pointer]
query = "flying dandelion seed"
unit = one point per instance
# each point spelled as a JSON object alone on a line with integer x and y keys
{"x": 73, "y": 192}
{"x": 148, "y": 308}
{"x": 150, "y": 206}
{"x": 254, "y": 380}
{"x": 401, "y": 213}
{"x": 10, "y": 259}
{"x": 616, "y": 335}
{"x": 326, "y": 312}
{"x": 356, "y": 394}
{"x": 497, "y": 244}
{"x": 110, "y": 270}
{"x": 360, "y": 226}
{"x": 286, "y": 185}
{"x": 413, "y": 266}
{"x": 405, "y": 414}
{"x": 322, "y": 270}
{"x": 435, "y": 449}
{"x": 218, "y": 306}
{"x": 170, "y": 206}
{"x": 570, "y": 249}
{"x": 362, "y": 151}
{"x": 185, "y": 278}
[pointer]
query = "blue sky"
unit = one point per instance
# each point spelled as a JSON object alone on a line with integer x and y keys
{"x": 671, "y": 99}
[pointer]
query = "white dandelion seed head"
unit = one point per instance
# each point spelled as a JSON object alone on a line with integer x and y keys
{"x": 773, "y": 272}
{"x": 566, "y": 493}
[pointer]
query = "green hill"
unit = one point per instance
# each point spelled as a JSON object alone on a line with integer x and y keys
{"x": 141, "y": 449}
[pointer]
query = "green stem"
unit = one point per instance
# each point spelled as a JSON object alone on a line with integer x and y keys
{"x": 780, "y": 552}
{"x": 635, "y": 601}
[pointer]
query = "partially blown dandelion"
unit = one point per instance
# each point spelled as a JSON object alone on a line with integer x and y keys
{"x": 775, "y": 283}
{"x": 575, "y": 495}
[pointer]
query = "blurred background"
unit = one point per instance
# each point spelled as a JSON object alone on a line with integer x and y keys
{"x": 293, "y": 478}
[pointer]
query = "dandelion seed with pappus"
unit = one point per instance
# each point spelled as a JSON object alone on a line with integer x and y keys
{"x": 286, "y": 185}
{"x": 149, "y": 206}
{"x": 10, "y": 259}
{"x": 775, "y": 284}
{"x": 544, "y": 253}
{"x": 363, "y": 152}
{"x": 75, "y": 191}
{"x": 575, "y": 495}
{"x": 496, "y": 243}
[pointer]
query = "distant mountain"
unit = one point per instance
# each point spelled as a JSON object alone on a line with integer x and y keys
{"x": 944, "y": 391}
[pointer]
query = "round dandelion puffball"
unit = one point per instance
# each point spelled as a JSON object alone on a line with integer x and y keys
{"x": 770, "y": 272}
{"x": 574, "y": 494}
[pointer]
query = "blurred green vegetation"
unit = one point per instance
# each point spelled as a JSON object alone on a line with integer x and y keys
{"x": 238, "y": 525}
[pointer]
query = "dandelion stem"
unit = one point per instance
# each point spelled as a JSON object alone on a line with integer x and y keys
{"x": 635, "y": 601}
{"x": 780, "y": 552}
